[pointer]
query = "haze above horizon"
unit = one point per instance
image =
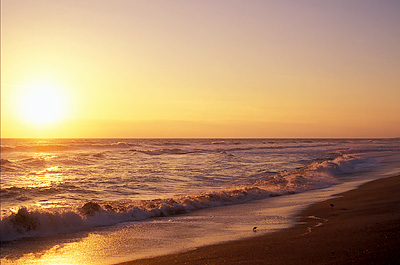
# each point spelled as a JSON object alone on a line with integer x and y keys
{"x": 200, "y": 69}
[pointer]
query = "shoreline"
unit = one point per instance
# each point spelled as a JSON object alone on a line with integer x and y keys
{"x": 363, "y": 227}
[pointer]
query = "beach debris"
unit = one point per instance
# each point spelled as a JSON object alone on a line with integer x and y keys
{"x": 331, "y": 205}
{"x": 254, "y": 229}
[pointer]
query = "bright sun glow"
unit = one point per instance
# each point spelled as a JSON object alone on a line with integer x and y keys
{"x": 42, "y": 105}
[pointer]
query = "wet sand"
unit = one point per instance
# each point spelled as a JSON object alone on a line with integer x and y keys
{"x": 363, "y": 227}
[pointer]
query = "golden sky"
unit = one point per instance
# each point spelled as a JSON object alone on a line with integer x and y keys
{"x": 210, "y": 68}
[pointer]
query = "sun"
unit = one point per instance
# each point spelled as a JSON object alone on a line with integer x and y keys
{"x": 42, "y": 105}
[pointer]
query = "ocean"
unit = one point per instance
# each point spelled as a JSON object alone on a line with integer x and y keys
{"x": 102, "y": 201}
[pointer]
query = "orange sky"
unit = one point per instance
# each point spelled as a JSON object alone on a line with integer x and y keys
{"x": 200, "y": 68}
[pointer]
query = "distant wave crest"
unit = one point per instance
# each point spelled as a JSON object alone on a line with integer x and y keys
{"x": 64, "y": 147}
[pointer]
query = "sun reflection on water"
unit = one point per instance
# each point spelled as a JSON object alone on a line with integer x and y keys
{"x": 45, "y": 178}
{"x": 51, "y": 204}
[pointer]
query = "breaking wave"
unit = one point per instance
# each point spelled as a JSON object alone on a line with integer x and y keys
{"x": 163, "y": 151}
{"x": 26, "y": 222}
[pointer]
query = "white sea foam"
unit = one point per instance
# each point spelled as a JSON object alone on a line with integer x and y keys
{"x": 41, "y": 222}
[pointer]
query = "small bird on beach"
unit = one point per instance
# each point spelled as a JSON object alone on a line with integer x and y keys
{"x": 331, "y": 205}
{"x": 254, "y": 229}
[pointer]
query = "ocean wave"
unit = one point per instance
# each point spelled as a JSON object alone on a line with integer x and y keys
{"x": 8, "y": 166}
{"x": 65, "y": 147}
{"x": 187, "y": 147}
{"x": 38, "y": 162}
{"x": 227, "y": 149}
{"x": 45, "y": 222}
{"x": 165, "y": 151}
{"x": 219, "y": 142}
{"x": 5, "y": 162}
{"x": 32, "y": 192}
{"x": 169, "y": 143}
{"x": 7, "y": 149}
{"x": 117, "y": 145}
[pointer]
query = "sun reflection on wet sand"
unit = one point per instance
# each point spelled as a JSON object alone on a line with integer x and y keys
{"x": 66, "y": 253}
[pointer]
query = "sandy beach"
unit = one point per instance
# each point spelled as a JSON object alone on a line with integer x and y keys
{"x": 361, "y": 226}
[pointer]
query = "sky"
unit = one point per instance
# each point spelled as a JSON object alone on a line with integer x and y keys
{"x": 210, "y": 68}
